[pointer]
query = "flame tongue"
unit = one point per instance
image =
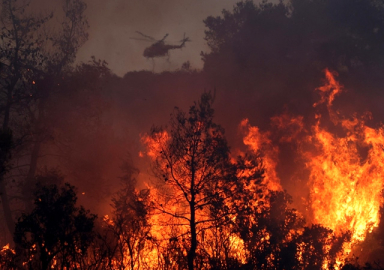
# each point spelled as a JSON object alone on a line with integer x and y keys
{"x": 345, "y": 168}
{"x": 345, "y": 188}
{"x": 258, "y": 141}
{"x": 344, "y": 171}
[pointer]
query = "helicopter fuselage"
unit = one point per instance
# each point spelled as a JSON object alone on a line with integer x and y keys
{"x": 160, "y": 49}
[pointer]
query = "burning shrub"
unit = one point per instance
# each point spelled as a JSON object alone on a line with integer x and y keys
{"x": 56, "y": 232}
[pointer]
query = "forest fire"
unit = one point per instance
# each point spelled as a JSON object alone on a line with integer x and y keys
{"x": 300, "y": 188}
{"x": 259, "y": 142}
{"x": 211, "y": 207}
{"x": 344, "y": 168}
{"x": 346, "y": 173}
{"x": 346, "y": 186}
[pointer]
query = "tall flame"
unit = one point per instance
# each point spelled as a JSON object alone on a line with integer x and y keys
{"x": 258, "y": 141}
{"x": 344, "y": 160}
{"x": 346, "y": 171}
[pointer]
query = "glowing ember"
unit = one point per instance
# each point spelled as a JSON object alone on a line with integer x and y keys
{"x": 7, "y": 248}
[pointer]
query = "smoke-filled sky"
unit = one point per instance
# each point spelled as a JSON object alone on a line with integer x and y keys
{"x": 113, "y": 23}
{"x": 113, "y": 26}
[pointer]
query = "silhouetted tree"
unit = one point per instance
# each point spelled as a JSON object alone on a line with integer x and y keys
{"x": 193, "y": 160}
{"x": 7, "y": 258}
{"x": 19, "y": 52}
{"x": 273, "y": 53}
{"x": 6, "y": 145}
{"x": 318, "y": 245}
{"x": 340, "y": 34}
{"x": 56, "y": 231}
{"x": 268, "y": 230}
{"x": 31, "y": 62}
{"x": 130, "y": 222}
{"x": 275, "y": 236}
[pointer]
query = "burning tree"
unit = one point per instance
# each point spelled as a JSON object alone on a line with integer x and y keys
{"x": 340, "y": 158}
{"x": 193, "y": 159}
{"x": 129, "y": 229}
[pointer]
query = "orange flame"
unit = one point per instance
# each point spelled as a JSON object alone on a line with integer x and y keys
{"x": 346, "y": 169}
{"x": 167, "y": 227}
{"x": 345, "y": 185}
{"x": 258, "y": 141}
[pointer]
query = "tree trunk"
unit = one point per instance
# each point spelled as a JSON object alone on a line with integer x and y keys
{"x": 10, "y": 88}
{"x": 192, "y": 250}
{"x": 4, "y": 159}
{"x": 192, "y": 222}
{"x": 44, "y": 259}
{"x": 38, "y": 139}
{"x": 6, "y": 207}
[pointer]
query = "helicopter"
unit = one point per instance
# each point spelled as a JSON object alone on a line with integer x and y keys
{"x": 159, "y": 48}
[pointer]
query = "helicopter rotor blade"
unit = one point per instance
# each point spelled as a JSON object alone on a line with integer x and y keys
{"x": 141, "y": 39}
{"x": 166, "y": 35}
{"x": 145, "y": 36}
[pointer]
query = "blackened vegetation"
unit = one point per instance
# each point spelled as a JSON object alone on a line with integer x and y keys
{"x": 32, "y": 66}
{"x": 55, "y": 232}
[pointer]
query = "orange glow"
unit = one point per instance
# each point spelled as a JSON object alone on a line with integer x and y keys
{"x": 329, "y": 91}
{"x": 170, "y": 204}
{"x": 154, "y": 144}
{"x": 341, "y": 172}
{"x": 346, "y": 189}
{"x": 7, "y": 248}
{"x": 258, "y": 141}
{"x": 346, "y": 186}
{"x": 346, "y": 169}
